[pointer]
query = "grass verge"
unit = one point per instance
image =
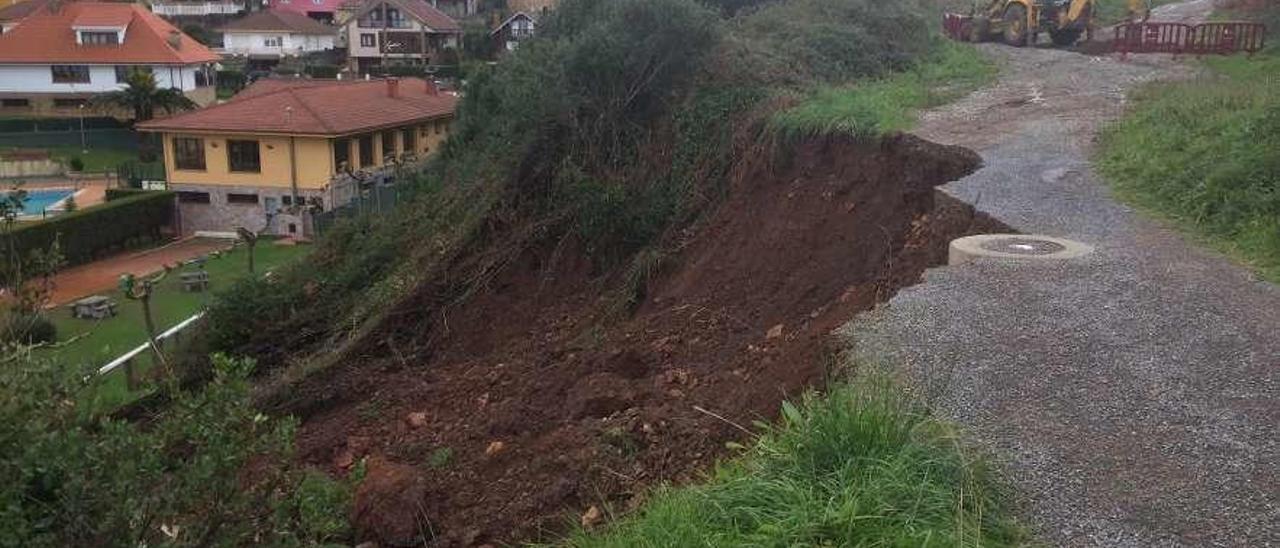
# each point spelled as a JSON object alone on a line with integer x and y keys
{"x": 1203, "y": 155}
{"x": 863, "y": 465}
{"x": 889, "y": 104}
{"x": 96, "y": 160}
{"x": 95, "y": 343}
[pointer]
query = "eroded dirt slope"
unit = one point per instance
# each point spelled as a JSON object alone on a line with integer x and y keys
{"x": 534, "y": 407}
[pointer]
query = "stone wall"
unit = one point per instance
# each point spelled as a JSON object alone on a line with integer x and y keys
{"x": 220, "y": 214}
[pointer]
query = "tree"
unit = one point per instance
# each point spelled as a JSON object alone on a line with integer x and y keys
{"x": 142, "y": 291}
{"x": 142, "y": 96}
{"x": 26, "y": 280}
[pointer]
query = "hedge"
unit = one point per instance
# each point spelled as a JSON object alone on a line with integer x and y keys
{"x": 114, "y": 194}
{"x": 92, "y": 232}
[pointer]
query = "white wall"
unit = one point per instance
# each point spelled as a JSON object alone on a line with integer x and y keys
{"x": 197, "y": 8}
{"x": 243, "y": 43}
{"x": 39, "y": 79}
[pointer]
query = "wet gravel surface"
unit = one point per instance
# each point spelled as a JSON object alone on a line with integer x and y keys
{"x": 1132, "y": 396}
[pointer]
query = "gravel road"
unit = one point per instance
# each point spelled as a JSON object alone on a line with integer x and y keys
{"x": 1132, "y": 397}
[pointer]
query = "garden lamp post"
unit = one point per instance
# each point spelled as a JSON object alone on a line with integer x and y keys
{"x": 84, "y": 149}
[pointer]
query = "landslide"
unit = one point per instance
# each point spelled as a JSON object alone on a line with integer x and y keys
{"x": 610, "y": 271}
{"x": 588, "y": 412}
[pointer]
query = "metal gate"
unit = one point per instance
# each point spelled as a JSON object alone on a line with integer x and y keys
{"x": 1177, "y": 38}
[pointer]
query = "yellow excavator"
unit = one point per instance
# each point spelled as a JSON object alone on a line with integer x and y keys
{"x": 1020, "y": 22}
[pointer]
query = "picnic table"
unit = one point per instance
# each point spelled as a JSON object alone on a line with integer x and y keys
{"x": 96, "y": 307}
{"x": 195, "y": 281}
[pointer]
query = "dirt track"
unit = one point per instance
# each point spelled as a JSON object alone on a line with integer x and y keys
{"x": 1133, "y": 396}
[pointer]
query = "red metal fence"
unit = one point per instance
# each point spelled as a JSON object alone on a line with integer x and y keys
{"x": 956, "y": 26}
{"x": 1178, "y": 38}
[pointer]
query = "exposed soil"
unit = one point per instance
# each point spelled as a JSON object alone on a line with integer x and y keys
{"x": 531, "y": 409}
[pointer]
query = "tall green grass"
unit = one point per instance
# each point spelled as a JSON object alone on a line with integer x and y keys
{"x": 889, "y": 104}
{"x": 863, "y": 465}
{"x": 1206, "y": 155}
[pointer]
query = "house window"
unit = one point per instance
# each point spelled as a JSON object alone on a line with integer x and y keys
{"x": 188, "y": 153}
{"x": 68, "y": 103}
{"x": 123, "y": 72}
{"x": 366, "y": 150}
{"x": 99, "y": 38}
{"x": 273, "y": 41}
{"x": 409, "y": 140}
{"x": 368, "y": 40}
{"x": 70, "y": 74}
{"x": 439, "y": 127}
{"x": 15, "y": 103}
{"x": 234, "y": 198}
{"x": 242, "y": 156}
{"x": 187, "y": 197}
{"x": 388, "y": 143}
{"x": 341, "y": 154}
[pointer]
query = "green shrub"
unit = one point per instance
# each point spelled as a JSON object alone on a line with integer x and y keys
{"x": 206, "y": 470}
{"x": 322, "y": 71}
{"x": 864, "y": 465}
{"x": 23, "y": 328}
{"x": 113, "y": 194}
{"x": 75, "y": 163}
{"x": 92, "y": 232}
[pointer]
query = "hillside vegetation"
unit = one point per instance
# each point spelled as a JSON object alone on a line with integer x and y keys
{"x": 618, "y": 124}
{"x": 1203, "y": 152}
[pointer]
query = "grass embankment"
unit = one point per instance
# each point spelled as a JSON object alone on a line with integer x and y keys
{"x": 863, "y": 465}
{"x": 888, "y": 104}
{"x": 95, "y": 343}
{"x": 1205, "y": 155}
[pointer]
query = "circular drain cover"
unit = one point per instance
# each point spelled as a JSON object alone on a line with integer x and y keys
{"x": 1023, "y": 246}
{"x": 1014, "y": 246}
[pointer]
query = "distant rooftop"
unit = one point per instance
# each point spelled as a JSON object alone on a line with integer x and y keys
{"x": 45, "y": 34}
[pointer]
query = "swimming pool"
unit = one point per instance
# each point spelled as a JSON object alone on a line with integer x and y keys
{"x": 39, "y": 200}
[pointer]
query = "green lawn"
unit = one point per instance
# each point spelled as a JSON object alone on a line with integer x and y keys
{"x": 863, "y": 465}
{"x": 100, "y": 342}
{"x": 98, "y": 159}
{"x": 1205, "y": 155}
{"x": 876, "y": 107}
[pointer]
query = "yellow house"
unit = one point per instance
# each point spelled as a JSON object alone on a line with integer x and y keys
{"x": 282, "y": 149}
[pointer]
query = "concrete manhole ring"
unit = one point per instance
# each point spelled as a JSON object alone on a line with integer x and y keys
{"x": 1032, "y": 247}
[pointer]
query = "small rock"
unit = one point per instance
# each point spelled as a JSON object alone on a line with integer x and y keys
{"x": 344, "y": 459}
{"x": 387, "y": 504}
{"x": 591, "y": 517}
{"x": 494, "y": 448}
{"x": 367, "y": 544}
{"x": 417, "y": 419}
{"x": 774, "y": 332}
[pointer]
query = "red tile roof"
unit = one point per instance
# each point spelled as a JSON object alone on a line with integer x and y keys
{"x": 305, "y": 6}
{"x": 424, "y": 12}
{"x": 18, "y": 10}
{"x": 276, "y": 20}
{"x": 314, "y": 107}
{"x": 46, "y": 37}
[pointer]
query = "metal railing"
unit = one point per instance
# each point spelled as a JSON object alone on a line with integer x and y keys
{"x": 171, "y": 337}
{"x": 1221, "y": 38}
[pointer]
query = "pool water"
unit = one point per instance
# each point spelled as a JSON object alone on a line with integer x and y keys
{"x": 38, "y": 200}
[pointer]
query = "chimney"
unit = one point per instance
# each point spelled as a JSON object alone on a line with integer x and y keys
{"x": 393, "y": 87}
{"x": 431, "y": 87}
{"x": 175, "y": 39}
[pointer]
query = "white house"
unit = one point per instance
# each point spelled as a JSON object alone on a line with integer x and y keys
{"x": 399, "y": 32}
{"x": 508, "y": 35}
{"x": 59, "y": 55}
{"x": 197, "y": 8}
{"x": 275, "y": 34}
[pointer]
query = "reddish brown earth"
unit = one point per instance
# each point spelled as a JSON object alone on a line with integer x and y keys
{"x": 544, "y": 410}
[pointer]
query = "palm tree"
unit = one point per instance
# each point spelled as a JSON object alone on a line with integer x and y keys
{"x": 144, "y": 97}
